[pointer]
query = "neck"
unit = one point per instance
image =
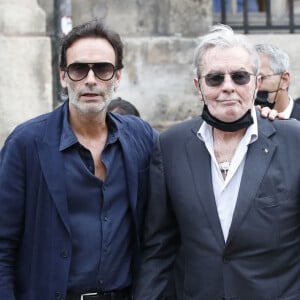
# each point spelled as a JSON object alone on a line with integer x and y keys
{"x": 225, "y": 143}
{"x": 227, "y": 136}
{"x": 88, "y": 125}
{"x": 282, "y": 102}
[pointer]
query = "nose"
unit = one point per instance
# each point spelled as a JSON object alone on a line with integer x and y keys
{"x": 228, "y": 84}
{"x": 90, "y": 78}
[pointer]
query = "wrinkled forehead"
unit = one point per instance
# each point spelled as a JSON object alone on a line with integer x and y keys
{"x": 226, "y": 59}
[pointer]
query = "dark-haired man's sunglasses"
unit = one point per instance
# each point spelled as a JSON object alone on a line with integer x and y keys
{"x": 102, "y": 70}
{"x": 238, "y": 77}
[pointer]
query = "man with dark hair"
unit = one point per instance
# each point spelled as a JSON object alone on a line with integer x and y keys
{"x": 73, "y": 184}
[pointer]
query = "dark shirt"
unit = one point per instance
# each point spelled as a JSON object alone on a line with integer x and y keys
{"x": 100, "y": 216}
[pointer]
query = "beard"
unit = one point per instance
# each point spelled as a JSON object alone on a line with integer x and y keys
{"x": 86, "y": 108}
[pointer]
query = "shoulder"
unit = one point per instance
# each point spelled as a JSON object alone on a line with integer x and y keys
{"x": 133, "y": 125}
{"x": 296, "y": 109}
{"x": 34, "y": 128}
{"x": 285, "y": 131}
{"x": 182, "y": 129}
{"x": 297, "y": 101}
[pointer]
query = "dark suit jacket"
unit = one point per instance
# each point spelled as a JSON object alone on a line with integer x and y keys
{"x": 261, "y": 258}
{"x": 296, "y": 110}
{"x": 35, "y": 239}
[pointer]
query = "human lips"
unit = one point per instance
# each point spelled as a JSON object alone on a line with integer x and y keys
{"x": 228, "y": 101}
{"x": 90, "y": 95}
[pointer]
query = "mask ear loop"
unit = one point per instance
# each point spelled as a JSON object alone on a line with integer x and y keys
{"x": 255, "y": 90}
{"x": 278, "y": 89}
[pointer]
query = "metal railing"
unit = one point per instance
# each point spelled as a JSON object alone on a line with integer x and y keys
{"x": 268, "y": 19}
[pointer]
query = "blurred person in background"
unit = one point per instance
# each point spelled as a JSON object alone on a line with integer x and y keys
{"x": 122, "y": 107}
{"x": 275, "y": 81}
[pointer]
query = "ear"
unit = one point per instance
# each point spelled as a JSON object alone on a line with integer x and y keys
{"x": 196, "y": 83}
{"x": 197, "y": 86}
{"x": 118, "y": 78}
{"x": 258, "y": 81}
{"x": 62, "y": 76}
{"x": 285, "y": 80}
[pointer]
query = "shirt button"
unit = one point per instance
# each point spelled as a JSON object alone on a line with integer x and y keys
{"x": 58, "y": 295}
{"x": 64, "y": 254}
{"x": 105, "y": 219}
{"x": 226, "y": 259}
{"x": 101, "y": 281}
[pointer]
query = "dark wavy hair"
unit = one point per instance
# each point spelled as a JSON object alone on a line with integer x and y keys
{"x": 94, "y": 28}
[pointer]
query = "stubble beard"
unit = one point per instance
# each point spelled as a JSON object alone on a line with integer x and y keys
{"x": 86, "y": 109}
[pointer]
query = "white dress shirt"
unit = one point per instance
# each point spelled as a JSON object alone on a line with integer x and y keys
{"x": 226, "y": 190}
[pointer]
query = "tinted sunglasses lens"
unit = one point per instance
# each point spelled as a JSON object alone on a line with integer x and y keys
{"x": 77, "y": 71}
{"x": 214, "y": 79}
{"x": 240, "y": 77}
{"x": 104, "y": 71}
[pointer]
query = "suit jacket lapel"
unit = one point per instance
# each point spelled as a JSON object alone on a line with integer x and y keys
{"x": 131, "y": 169}
{"x": 52, "y": 164}
{"x": 200, "y": 164}
{"x": 258, "y": 159}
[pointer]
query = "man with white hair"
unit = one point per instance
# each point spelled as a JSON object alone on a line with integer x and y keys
{"x": 224, "y": 202}
{"x": 275, "y": 80}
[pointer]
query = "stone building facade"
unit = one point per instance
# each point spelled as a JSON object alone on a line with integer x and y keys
{"x": 159, "y": 36}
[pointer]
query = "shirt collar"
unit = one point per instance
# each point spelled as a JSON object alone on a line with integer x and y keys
{"x": 205, "y": 131}
{"x": 68, "y": 137}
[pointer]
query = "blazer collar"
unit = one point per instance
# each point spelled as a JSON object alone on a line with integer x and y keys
{"x": 51, "y": 160}
{"x": 199, "y": 161}
{"x": 259, "y": 157}
{"x": 259, "y": 153}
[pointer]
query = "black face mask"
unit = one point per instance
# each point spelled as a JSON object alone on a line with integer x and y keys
{"x": 262, "y": 99}
{"x": 244, "y": 122}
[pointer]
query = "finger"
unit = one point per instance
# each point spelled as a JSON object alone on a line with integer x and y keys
{"x": 273, "y": 114}
{"x": 265, "y": 111}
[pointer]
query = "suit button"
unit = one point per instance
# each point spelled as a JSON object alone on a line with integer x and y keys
{"x": 58, "y": 295}
{"x": 64, "y": 254}
{"x": 226, "y": 259}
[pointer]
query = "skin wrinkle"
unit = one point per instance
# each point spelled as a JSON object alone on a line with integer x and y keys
{"x": 229, "y": 101}
{"x": 90, "y": 95}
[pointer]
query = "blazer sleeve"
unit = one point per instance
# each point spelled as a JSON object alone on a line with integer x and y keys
{"x": 12, "y": 193}
{"x": 160, "y": 239}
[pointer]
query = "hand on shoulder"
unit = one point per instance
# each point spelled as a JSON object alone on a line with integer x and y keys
{"x": 269, "y": 113}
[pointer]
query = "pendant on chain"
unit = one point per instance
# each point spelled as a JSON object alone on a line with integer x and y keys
{"x": 224, "y": 166}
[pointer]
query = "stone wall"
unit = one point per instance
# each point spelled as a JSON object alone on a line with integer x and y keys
{"x": 159, "y": 36}
{"x": 25, "y": 59}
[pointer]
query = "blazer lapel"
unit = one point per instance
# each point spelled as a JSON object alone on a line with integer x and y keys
{"x": 51, "y": 164}
{"x": 258, "y": 159}
{"x": 131, "y": 166}
{"x": 51, "y": 161}
{"x": 200, "y": 165}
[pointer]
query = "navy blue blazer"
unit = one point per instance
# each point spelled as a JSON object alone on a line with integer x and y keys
{"x": 260, "y": 260}
{"x": 35, "y": 240}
